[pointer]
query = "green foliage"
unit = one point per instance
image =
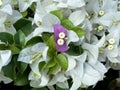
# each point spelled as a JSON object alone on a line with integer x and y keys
{"x": 74, "y": 50}
{"x": 67, "y": 24}
{"x": 19, "y": 38}
{"x": 6, "y": 37}
{"x": 24, "y": 25}
{"x": 57, "y": 13}
{"x": 53, "y": 69}
{"x": 14, "y": 49}
{"x": 34, "y": 40}
{"x": 52, "y": 48}
{"x": 17, "y": 71}
{"x": 62, "y": 61}
{"x": 42, "y": 66}
{"x": 79, "y": 31}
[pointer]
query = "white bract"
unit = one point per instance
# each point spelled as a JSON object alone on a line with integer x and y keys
{"x": 7, "y": 21}
{"x": 5, "y": 58}
{"x": 33, "y": 53}
{"x": 24, "y": 4}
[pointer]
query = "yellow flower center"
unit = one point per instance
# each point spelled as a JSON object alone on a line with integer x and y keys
{"x": 62, "y": 35}
{"x": 101, "y": 12}
{"x": 111, "y": 41}
{"x": 60, "y": 41}
{"x": 100, "y": 28}
{"x": 110, "y": 47}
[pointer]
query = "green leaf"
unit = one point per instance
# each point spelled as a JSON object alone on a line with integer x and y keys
{"x": 50, "y": 63}
{"x": 44, "y": 88}
{"x": 14, "y": 49}
{"x": 79, "y": 31}
{"x": 21, "y": 79}
{"x": 53, "y": 69}
{"x": 58, "y": 88}
{"x": 42, "y": 66}
{"x": 24, "y": 25}
{"x": 62, "y": 61}
{"x": 19, "y": 38}
{"x": 6, "y": 37}
{"x": 3, "y": 47}
{"x": 52, "y": 48}
{"x": 22, "y": 67}
{"x": 24, "y": 14}
{"x": 57, "y": 13}
{"x": 46, "y": 36}
{"x": 34, "y": 40}
{"x": 10, "y": 69}
{"x": 74, "y": 50}
{"x": 67, "y": 24}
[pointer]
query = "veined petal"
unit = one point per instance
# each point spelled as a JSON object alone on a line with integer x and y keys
{"x": 5, "y": 57}
{"x": 49, "y": 20}
{"x": 92, "y": 52}
{"x": 72, "y": 37}
{"x": 41, "y": 82}
{"x": 7, "y": 9}
{"x": 33, "y": 53}
{"x": 71, "y": 62}
{"x": 76, "y": 3}
{"x": 77, "y": 17}
{"x": 91, "y": 76}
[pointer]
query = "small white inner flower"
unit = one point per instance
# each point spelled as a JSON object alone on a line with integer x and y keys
{"x": 110, "y": 47}
{"x": 60, "y": 41}
{"x": 8, "y": 24}
{"x": 105, "y": 44}
{"x": 101, "y": 12}
{"x": 39, "y": 23}
{"x": 111, "y": 41}
{"x": 61, "y": 35}
{"x": 100, "y": 27}
{"x": 88, "y": 16}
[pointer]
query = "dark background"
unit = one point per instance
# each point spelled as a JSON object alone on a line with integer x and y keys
{"x": 109, "y": 83}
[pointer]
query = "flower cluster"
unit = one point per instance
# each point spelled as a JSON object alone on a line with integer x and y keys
{"x": 70, "y": 44}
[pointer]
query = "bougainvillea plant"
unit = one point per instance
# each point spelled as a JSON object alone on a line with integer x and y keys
{"x": 58, "y": 44}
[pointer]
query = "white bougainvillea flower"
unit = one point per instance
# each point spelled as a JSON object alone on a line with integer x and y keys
{"x": 57, "y": 78}
{"x": 33, "y": 53}
{"x": 43, "y": 8}
{"x": 5, "y": 7}
{"x": 24, "y": 4}
{"x": 111, "y": 50}
{"x": 86, "y": 74}
{"x": 37, "y": 78}
{"x": 106, "y": 7}
{"x": 5, "y": 57}
{"x": 39, "y": 82}
{"x": 7, "y": 21}
{"x": 111, "y": 20}
{"x": 77, "y": 17}
{"x": 92, "y": 52}
{"x": 47, "y": 24}
{"x": 71, "y": 3}
{"x": 5, "y": 79}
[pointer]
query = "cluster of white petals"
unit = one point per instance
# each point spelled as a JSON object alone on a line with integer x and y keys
{"x": 100, "y": 19}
